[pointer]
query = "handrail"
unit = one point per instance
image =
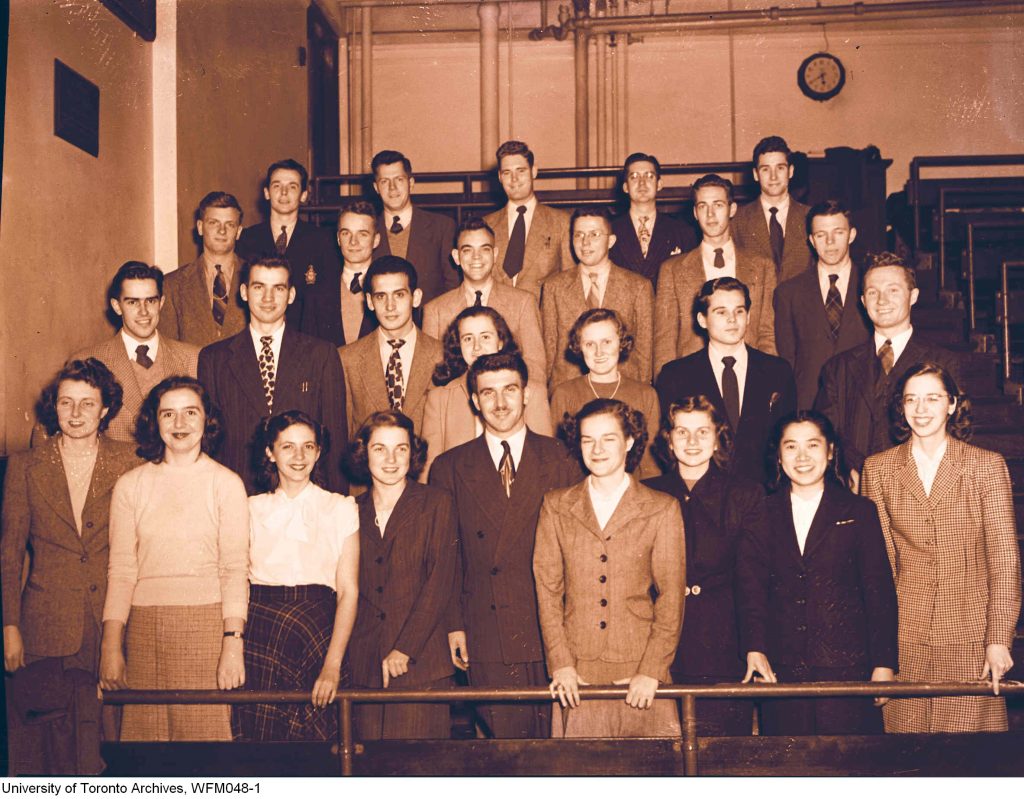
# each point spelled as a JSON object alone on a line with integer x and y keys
{"x": 1006, "y": 267}
{"x": 981, "y": 224}
{"x": 943, "y": 210}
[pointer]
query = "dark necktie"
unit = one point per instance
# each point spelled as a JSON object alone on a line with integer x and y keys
{"x": 396, "y": 226}
{"x": 719, "y": 262}
{"x": 506, "y": 468}
{"x": 142, "y": 356}
{"x": 281, "y": 244}
{"x": 479, "y": 299}
{"x": 393, "y": 376}
{"x": 220, "y": 296}
{"x": 833, "y": 306}
{"x": 731, "y": 392}
{"x": 885, "y": 356}
{"x": 516, "y": 244}
{"x": 776, "y": 236}
{"x": 267, "y": 370}
{"x": 355, "y": 287}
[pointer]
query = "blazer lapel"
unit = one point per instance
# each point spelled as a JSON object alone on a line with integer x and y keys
{"x": 581, "y": 509}
{"x": 198, "y": 298}
{"x": 103, "y": 478}
{"x": 829, "y": 511}
{"x": 371, "y": 374}
{"x": 758, "y": 229}
{"x": 625, "y": 513}
{"x": 950, "y": 468}
{"x": 527, "y": 492}
{"x": 484, "y": 482}
{"x": 48, "y": 472}
{"x": 244, "y": 365}
{"x": 780, "y": 505}
{"x": 420, "y": 371}
{"x": 907, "y": 475}
{"x": 121, "y": 366}
{"x": 289, "y": 370}
{"x": 615, "y": 290}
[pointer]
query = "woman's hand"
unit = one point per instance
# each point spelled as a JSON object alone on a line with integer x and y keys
{"x": 997, "y": 663}
{"x": 882, "y": 674}
{"x": 394, "y": 665}
{"x": 565, "y": 686}
{"x": 457, "y": 647}
{"x": 112, "y": 669}
{"x": 326, "y": 686}
{"x": 231, "y": 666}
{"x": 757, "y": 663}
{"x": 14, "y": 648}
{"x": 641, "y": 690}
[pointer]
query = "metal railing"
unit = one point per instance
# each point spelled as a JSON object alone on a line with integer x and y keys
{"x": 945, "y": 210}
{"x": 978, "y": 225}
{"x": 1005, "y": 302}
{"x": 687, "y": 694}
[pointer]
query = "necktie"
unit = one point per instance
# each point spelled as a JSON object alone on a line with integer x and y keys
{"x": 833, "y": 306}
{"x": 479, "y": 299}
{"x": 355, "y": 286}
{"x": 267, "y": 371}
{"x": 885, "y": 356}
{"x": 142, "y": 356}
{"x": 396, "y": 226}
{"x": 220, "y": 296}
{"x": 593, "y": 296}
{"x": 644, "y": 234}
{"x": 719, "y": 258}
{"x": 776, "y": 235}
{"x": 393, "y": 376}
{"x": 516, "y": 244}
{"x": 731, "y": 392}
{"x": 281, "y": 244}
{"x": 506, "y": 468}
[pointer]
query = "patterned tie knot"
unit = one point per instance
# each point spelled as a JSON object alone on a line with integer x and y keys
{"x": 396, "y": 226}
{"x": 281, "y": 242}
{"x": 355, "y": 286}
{"x": 396, "y": 343}
{"x": 833, "y": 278}
{"x": 266, "y": 341}
{"x": 729, "y": 361}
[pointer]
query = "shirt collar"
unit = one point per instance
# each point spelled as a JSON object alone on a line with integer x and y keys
{"x": 515, "y": 445}
{"x": 405, "y": 218}
{"x": 899, "y": 342}
{"x": 276, "y": 336}
{"x": 131, "y": 344}
{"x": 923, "y": 457}
{"x": 782, "y": 205}
{"x": 485, "y": 292}
{"x": 715, "y": 355}
{"x": 530, "y": 204}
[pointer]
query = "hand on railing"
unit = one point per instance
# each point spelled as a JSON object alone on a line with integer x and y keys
{"x": 394, "y": 665}
{"x": 757, "y": 663}
{"x": 997, "y": 663}
{"x": 326, "y": 686}
{"x": 565, "y": 686}
{"x": 641, "y": 690}
{"x": 457, "y": 647}
{"x": 231, "y": 666}
{"x": 882, "y": 674}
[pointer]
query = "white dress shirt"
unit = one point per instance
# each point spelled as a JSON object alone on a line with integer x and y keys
{"x": 275, "y": 344}
{"x": 635, "y": 218}
{"x": 707, "y": 254}
{"x": 513, "y": 214}
{"x": 599, "y": 276}
{"x": 740, "y": 367}
{"x": 470, "y": 293}
{"x": 404, "y": 218}
{"x": 348, "y": 272}
{"x": 405, "y": 352}
{"x": 803, "y": 515}
{"x": 899, "y": 342}
{"x": 843, "y": 284}
{"x": 605, "y": 505}
{"x": 515, "y": 446}
{"x": 782, "y": 211}
{"x": 131, "y": 343}
{"x": 275, "y": 231}
{"x": 927, "y": 467}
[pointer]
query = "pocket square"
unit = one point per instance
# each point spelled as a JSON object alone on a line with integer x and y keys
{"x": 676, "y": 251}
{"x": 845, "y": 521}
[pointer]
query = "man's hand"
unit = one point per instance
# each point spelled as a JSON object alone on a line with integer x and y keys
{"x": 394, "y": 665}
{"x": 457, "y": 647}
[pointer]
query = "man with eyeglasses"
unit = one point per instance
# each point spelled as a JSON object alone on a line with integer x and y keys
{"x": 644, "y": 238}
{"x": 201, "y": 303}
{"x": 596, "y": 283}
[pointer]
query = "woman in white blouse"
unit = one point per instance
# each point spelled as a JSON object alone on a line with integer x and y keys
{"x": 303, "y": 571}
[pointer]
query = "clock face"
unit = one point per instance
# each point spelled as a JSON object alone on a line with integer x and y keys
{"x": 821, "y": 76}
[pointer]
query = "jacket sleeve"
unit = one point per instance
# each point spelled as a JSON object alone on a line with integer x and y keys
{"x": 830, "y": 402}
{"x": 169, "y": 324}
{"x": 443, "y": 477}
{"x": 1001, "y": 552}
{"x": 668, "y": 564}
{"x": 643, "y": 336}
{"x": 549, "y": 574}
{"x": 432, "y": 429}
{"x": 753, "y": 564}
{"x": 877, "y": 590}
{"x": 333, "y": 410}
{"x": 123, "y": 566}
{"x": 871, "y": 487}
{"x": 766, "y": 325}
{"x": 666, "y": 317}
{"x": 531, "y": 341}
{"x": 785, "y": 332}
{"x": 233, "y": 546}
{"x": 17, "y": 518}
{"x": 450, "y": 277}
{"x": 565, "y": 242}
{"x": 549, "y": 323}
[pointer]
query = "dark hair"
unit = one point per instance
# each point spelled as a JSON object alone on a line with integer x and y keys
{"x": 91, "y": 371}
{"x": 453, "y": 365}
{"x": 636, "y": 157}
{"x": 771, "y": 144}
{"x": 514, "y": 147}
{"x": 878, "y": 260}
{"x": 713, "y": 180}
{"x": 358, "y": 453}
{"x": 827, "y": 208}
{"x": 703, "y": 298}
{"x": 836, "y": 472}
{"x": 292, "y": 165}
{"x": 267, "y": 434}
{"x": 472, "y": 223}
{"x": 592, "y": 316}
{"x": 694, "y": 404}
{"x": 498, "y": 362}
{"x": 598, "y": 211}
{"x": 360, "y": 207}
{"x": 267, "y": 262}
{"x": 135, "y": 270}
{"x": 389, "y": 265}
{"x": 147, "y": 426}
{"x": 631, "y": 422}
{"x": 958, "y": 424}
{"x": 388, "y": 157}
{"x": 219, "y": 199}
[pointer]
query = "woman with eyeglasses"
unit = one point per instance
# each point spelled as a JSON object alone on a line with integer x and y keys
{"x": 946, "y": 509}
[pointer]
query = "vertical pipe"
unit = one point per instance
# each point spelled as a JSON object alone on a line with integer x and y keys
{"x": 366, "y": 75}
{"x": 942, "y": 238}
{"x": 615, "y": 103}
{"x": 582, "y": 104}
{"x": 601, "y": 96}
{"x": 345, "y": 729}
{"x": 488, "y": 13}
{"x": 1006, "y": 327}
{"x": 971, "y": 298}
{"x": 690, "y": 734}
{"x": 622, "y": 125}
{"x": 355, "y": 121}
{"x": 915, "y": 188}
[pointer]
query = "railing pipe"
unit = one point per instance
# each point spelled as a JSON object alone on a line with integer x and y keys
{"x": 691, "y": 745}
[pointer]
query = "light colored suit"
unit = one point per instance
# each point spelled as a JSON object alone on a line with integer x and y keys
{"x": 547, "y": 246}
{"x": 187, "y": 314}
{"x": 172, "y": 358}
{"x": 750, "y": 231}
{"x": 627, "y": 293}
{"x": 675, "y": 322}
{"x": 518, "y": 308}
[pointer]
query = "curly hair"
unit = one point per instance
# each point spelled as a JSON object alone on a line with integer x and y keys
{"x": 453, "y": 365}
{"x": 631, "y": 422}
{"x": 698, "y": 403}
{"x": 836, "y": 471}
{"x": 147, "y": 426}
{"x": 592, "y": 316}
{"x": 266, "y": 436}
{"x": 359, "y": 447}
{"x": 90, "y": 371}
{"x": 958, "y": 424}
{"x": 886, "y": 258}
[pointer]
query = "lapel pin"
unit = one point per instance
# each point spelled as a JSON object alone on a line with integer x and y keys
{"x": 775, "y": 397}
{"x": 304, "y": 387}
{"x": 310, "y": 275}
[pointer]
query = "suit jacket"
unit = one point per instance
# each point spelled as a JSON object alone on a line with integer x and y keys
{"x": 68, "y": 571}
{"x": 594, "y": 585}
{"x": 431, "y": 239}
{"x": 495, "y": 600}
{"x": 365, "y": 389}
{"x": 750, "y": 231}
{"x": 670, "y": 236}
{"x": 562, "y": 302}
{"x": 406, "y": 577}
{"x": 187, "y": 314}
{"x": 675, "y": 322}
{"x": 518, "y": 308}
{"x": 309, "y": 379}
{"x": 172, "y": 358}
{"x": 769, "y": 393}
{"x": 547, "y": 246}
{"x": 321, "y": 312}
{"x": 855, "y": 396}
{"x": 834, "y": 606}
{"x": 802, "y": 332}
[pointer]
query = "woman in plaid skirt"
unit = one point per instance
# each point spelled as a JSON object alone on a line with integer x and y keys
{"x": 946, "y": 509}
{"x": 303, "y": 572}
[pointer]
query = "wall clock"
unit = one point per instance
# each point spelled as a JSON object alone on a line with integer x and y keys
{"x": 821, "y": 76}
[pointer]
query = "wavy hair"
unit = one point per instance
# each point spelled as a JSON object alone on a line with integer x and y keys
{"x": 358, "y": 454}
{"x": 631, "y": 422}
{"x": 147, "y": 426}
{"x": 698, "y": 403}
{"x": 453, "y": 365}
{"x": 592, "y": 316}
{"x": 90, "y": 371}
{"x": 267, "y": 434}
{"x": 958, "y": 424}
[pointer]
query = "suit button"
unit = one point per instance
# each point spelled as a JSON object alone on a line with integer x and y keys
{"x": 380, "y": 589}
{"x": 695, "y": 590}
{"x": 687, "y": 591}
{"x": 93, "y": 587}
{"x": 604, "y": 559}
{"x": 802, "y": 576}
{"x": 494, "y": 607}
{"x": 801, "y": 601}
{"x": 603, "y": 624}
{"x": 380, "y": 560}
{"x": 383, "y": 616}
{"x": 479, "y": 533}
{"x": 494, "y": 571}
{"x": 88, "y": 525}
{"x": 85, "y": 558}
{"x": 602, "y": 579}
{"x": 604, "y": 603}
{"x": 802, "y": 628}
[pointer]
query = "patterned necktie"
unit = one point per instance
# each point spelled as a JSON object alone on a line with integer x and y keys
{"x": 220, "y": 296}
{"x": 885, "y": 356}
{"x": 776, "y": 236}
{"x": 393, "y": 376}
{"x": 355, "y": 286}
{"x": 267, "y": 371}
{"x": 513, "y": 264}
{"x": 506, "y": 468}
{"x": 396, "y": 226}
{"x": 719, "y": 258}
{"x": 281, "y": 244}
{"x": 731, "y": 391}
{"x": 479, "y": 299}
{"x": 644, "y": 234}
{"x": 833, "y": 306}
{"x": 142, "y": 356}
{"x": 593, "y": 296}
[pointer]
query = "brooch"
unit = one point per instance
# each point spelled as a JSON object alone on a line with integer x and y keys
{"x": 676, "y": 251}
{"x": 310, "y": 275}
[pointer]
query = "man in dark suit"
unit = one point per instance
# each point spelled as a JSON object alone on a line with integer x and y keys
{"x": 816, "y": 313}
{"x": 308, "y": 249}
{"x": 773, "y": 225}
{"x": 201, "y": 302}
{"x": 752, "y": 389}
{"x": 423, "y": 238}
{"x": 271, "y": 367}
{"x": 856, "y": 384}
{"x": 643, "y": 237}
{"x": 498, "y": 481}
